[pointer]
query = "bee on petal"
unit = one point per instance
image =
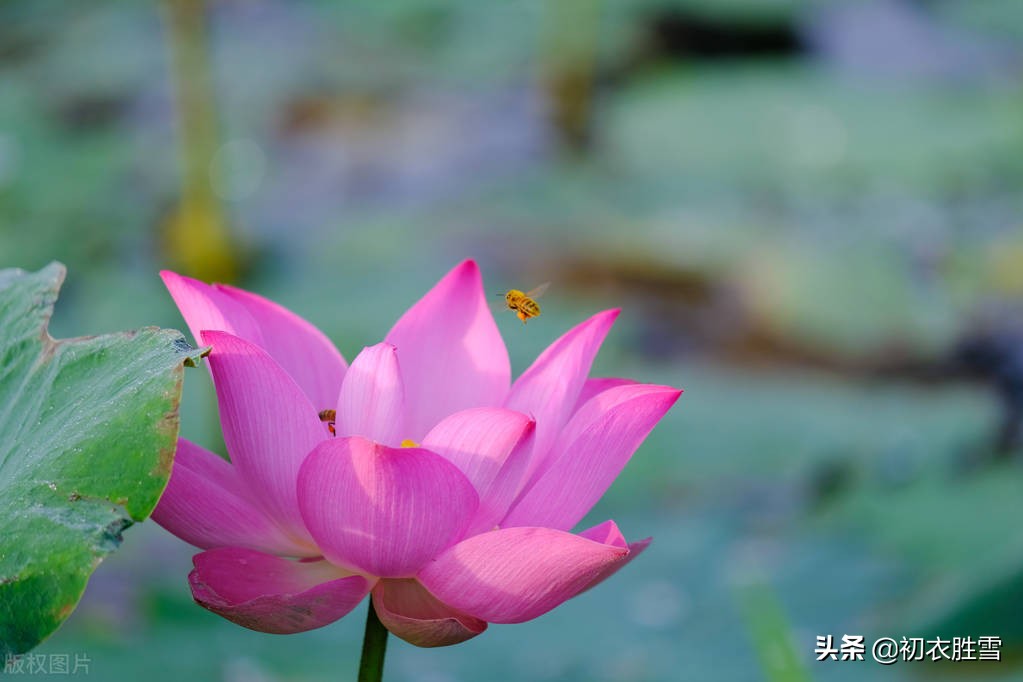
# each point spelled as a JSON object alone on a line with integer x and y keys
{"x": 329, "y": 416}
{"x": 524, "y": 303}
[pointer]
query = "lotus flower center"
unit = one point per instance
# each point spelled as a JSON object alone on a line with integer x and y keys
{"x": 329, "y": 418}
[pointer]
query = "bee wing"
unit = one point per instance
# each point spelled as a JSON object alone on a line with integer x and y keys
{"x": 538, "y": 291}
{"x": 496, "y": 306}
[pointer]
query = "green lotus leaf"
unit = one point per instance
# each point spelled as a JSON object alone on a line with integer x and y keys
{"x": 87, "y": 434}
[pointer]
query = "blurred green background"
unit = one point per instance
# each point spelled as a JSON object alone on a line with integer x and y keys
{"x": 810, "y": 213}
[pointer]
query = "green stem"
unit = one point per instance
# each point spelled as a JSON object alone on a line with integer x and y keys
{"x": 374, "y": 646}
{"x": 193, "y": 80}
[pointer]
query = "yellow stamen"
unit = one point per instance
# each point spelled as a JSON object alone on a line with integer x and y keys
{"x": 409, "y": 443}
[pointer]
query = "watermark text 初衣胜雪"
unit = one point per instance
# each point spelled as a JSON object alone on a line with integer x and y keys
{"x": 889, "y": 650}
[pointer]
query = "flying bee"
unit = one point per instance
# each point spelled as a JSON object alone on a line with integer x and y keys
{"x": 524, "y": 304}
{"x": 329, "y": 416}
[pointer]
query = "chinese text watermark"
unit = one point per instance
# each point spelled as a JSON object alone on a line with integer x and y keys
{"x": 888, "y": 650}
{"x": 47, "y": 664}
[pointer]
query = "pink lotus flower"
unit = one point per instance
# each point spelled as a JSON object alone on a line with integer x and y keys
{"x": 447, "y": 493}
